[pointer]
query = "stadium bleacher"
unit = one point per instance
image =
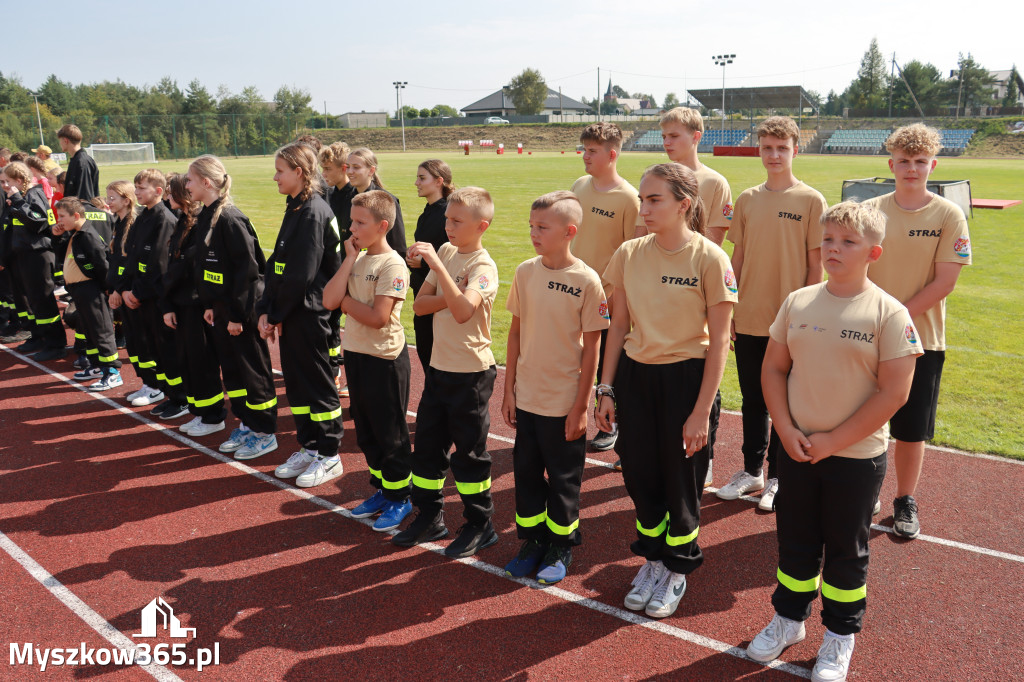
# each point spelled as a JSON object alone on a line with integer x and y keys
{"x": 954, "y": 141}
{"x": 721, "y": 138}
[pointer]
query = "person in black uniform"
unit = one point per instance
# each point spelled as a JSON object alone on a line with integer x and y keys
{"x": 30, "y": 218}
{"x": 85, "y": 274}
{"x": 305, "y": 257}
{"x": 229, "y": 275}
{"x": 122, "y": 203}
{"x": 362, "y": 173}
{"x": 83, "y": 178}
{"x": 183, "y": 312}
{"x": 433, "y": 183}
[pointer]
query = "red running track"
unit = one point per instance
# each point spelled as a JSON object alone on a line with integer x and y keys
{"x": 103, "y": 510}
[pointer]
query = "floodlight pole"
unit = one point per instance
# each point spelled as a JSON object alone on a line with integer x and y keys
{"x": 399, "y": 86}
{"x": 39, "y": 119}
{"x": 722, "y": 60}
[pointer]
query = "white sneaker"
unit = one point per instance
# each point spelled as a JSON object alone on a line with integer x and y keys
{"x": 191, "y": 424}
{"x": 154, "y": 395}
{"x": 777, "y": 635}
{"x": 877, "y": 509}
{"x": 708, "y": 479}
{"x": 741, "y": 482}
{"x": 235, "y": 440}
{"x": 767, "y": 502}
{"x": 205, "y": 429}
{"x": 643, "y": 585}
{"x": 833, "y": 658}
{"x": 296, "y": 464}
{"x": 257, "y": 445}
{"x": 107, "y": 381}
{"x": 669, "y": 591}
{"x": 145, "y": 390}
{"x": 320, "y": 470}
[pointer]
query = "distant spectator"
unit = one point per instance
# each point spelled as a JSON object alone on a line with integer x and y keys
{"x": 83, "y": 179}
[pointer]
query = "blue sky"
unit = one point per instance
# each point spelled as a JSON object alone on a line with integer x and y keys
{"x": 348, "y": 54}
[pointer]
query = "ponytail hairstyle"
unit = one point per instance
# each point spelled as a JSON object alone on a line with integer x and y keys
{"x": 20, "y": 173}
{"x": 683, "y": 184}
{"x": 302, "y": 157}
{"x": 211, "y": 168}
{"x": 125, "y": 189}
{"x": 189, "y": 208}
{"x": 441, "y": 170}
{"x": 368, "y": 157}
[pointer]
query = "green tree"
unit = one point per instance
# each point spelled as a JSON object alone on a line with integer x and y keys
{"x": 1012, "y": 89}
{"x": 925, "y": 82}
{"x": 13, "y": 95}
{"x": 445, "y": 110}
{"x": 528, "y": 92}
{"x": 410, "y": 112}
{"x": 671, "y": 101}
{"x": 620, "y": 92}
{"x": 871, "y": 85}
{"x": 293, "y": 100}
{"x": 425, "y": 113}
{"x": 198, "y": 99}
{"x": 651, "y": 102}
{"x": 58, "y": 95}
{"x": 972, "y": 85}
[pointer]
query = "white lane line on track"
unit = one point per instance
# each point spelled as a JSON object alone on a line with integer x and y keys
{"x": 79, "y": 608}
{"x": 565, "y": 595}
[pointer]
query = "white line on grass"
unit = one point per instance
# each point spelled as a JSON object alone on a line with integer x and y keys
{"x": 79, "y": 607}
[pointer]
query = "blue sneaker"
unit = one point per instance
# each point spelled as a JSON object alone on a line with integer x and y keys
{"x": 256, "y": 446}
{"x": 371, "y": 506}
{"x": 235, "y": 440}
{"x": 528, "y": 559}
{"x": 392, "y": 515}
{"x": 555, "y": 562}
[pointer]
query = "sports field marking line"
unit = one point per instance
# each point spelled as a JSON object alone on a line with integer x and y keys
{"x": 565, "y": 595}
{"x": 80, "y": 608}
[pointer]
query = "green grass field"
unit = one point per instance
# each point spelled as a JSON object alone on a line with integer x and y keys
{"x": 982, "y": 402}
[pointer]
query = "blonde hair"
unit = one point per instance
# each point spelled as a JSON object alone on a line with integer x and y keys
{"x": 782, "y": 127}
{"x": 915, "y": 140}
{"x": 684, "y": 116}
{"x": 562, "y": 203}
{"x": 124, "y": 189}
{"x": 437, "y": 168}
{"x": 368, "y": 157}
{"x": 683, "y": 184}
{"x": 19, "y": 172}
{"x": 335, "y": 155}
{"x": 379, "y": 203}
{"x": 863, "y": 219}
{"x": 476, "y": 199}
{"x": 302, "y": 157}
{"x": 607, "y": 134}
{"x": 211, "y": 168}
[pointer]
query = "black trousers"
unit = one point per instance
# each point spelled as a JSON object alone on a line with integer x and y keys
{"x": 309, "y": 381}
{"x": 423, "y": 325}
{"x": 337, "y": 360}
{"x": 248, "y": 374}
{"x": 95, "y": 323}
{"x": 453, "y": 409}
{"x": 379, "y": 390}
{"x": 34, "y": 270}
{"x": 547, "y": 508}
{"x": 758, "y": 438}
{"x": 140, "y": 352}
{"x": 200, "y": 370}
{"x": 7, "y": 310}
{"x": 163, "y": 348}
{"x": 824, "y": 509}
{"x": 653, "y": 402}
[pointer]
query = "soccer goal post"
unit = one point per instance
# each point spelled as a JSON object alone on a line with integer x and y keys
{"x": 129, "y": 152}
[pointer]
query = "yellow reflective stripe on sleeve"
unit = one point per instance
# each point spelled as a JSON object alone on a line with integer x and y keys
{"x": 142, "y": 267}
{"x": 58, "y": 273}
{"x": 107, "y": 358}
{"x": 655, "y": 532}
{"x": 675, "y": 541}
{"x": 325, "y": 416}
{"x": 239, "y": 393}
{"x": 133, "y": 359}
{"x": 278, "y": 268}
{"x": 206, "y": 402}
{"x": 396, "y": 485}
{"x": 50, "y": 320}
{"x": 375, "y": 473}
{"x": 215, "y": 277}
{"x": 161, "y": 376}
{"x": 173, "y": 382}
{"x": 50, "y": 219}
{"x": 80, "y": 337}
{"x": 148, "y": 364}
{"x": 473, "y": 488}
{"x": 794, "y": 585}
{"x": 23, "y": 315}
{"x": 299, "y": 410}
{"x": 428, "y": 483}
{"x": 93, "y": 351}
{"x": 531, "y": 521}
{"x": 334, "y": 352}
{"x": 561, "y": 530}
{"x": 845, "y": 596}
{"x": 262, "y": 406}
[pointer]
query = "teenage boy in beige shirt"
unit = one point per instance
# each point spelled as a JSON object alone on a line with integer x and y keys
{"x": 926, "y": 245}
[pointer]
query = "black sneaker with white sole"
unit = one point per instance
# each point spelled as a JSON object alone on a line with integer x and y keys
{"x": 472, "y": 538}
{"x": 904, "y": 517}
{"x": 174, "y": 410}
{"x": 604, "y": 441}
{"x": 424, "y": 528}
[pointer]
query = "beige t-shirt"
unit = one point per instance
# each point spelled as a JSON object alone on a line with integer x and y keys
{"x": 381, "y": 275}
{"x": 714, "y": 191}
{"x": 609, "y": 218}
{"x": 465, "y": 347}
{"x": 668, "y": 294}
{"x": 914, "y": 242}
{"x": 836, "y": 345}
{"x": 555, "y": 308}
{"x": 776, "y": 230}
{"x": 72, "y": 273}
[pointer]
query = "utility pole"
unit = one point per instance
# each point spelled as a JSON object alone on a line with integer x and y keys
{"x": 722, "y": 60}
{"x": 39, "y": 118}
{"x": 399, "y": 86}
